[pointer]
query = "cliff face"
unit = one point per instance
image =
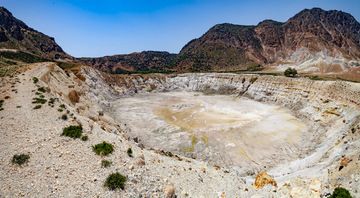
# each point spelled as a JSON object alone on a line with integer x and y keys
{"x": 15, "y": 34}
{"x": 312, "y": 37}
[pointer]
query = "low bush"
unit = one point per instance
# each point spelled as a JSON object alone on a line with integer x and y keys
{"x": 35, "y": 80}
{"x": 39, "y": 101}
{"x": 64, "y": 117}
{"x": 340, "y": 193}
{"x": 129, "y": 152}
{"x": 37, "y": 107}
{"x": 20, "y": 159}
{"x": 72, "y": 131}
{"x": 1, "y": 104}
{"x": 42, "y": 89}
{"x": 290, "y": 72}
{"x": 115, "y": 181}
{"x": 85, "y": 138}
{"x": 105, "y": 163}
{"x": 103, "y": 148}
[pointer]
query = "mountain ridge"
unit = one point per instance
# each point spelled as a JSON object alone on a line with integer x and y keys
{"x": 15, "y": 34}
{"x": 313, "y": 40}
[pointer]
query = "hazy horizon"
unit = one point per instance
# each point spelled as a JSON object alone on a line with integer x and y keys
{"x": 92, "y": 29}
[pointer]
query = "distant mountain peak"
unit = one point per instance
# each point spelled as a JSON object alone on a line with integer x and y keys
{"x": 15, "y": 34}
{"x": 307, "y": 36}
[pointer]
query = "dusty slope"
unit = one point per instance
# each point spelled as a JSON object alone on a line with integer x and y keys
{"x": 62, "y": 167}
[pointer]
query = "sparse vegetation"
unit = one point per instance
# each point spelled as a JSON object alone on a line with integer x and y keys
{"x": 85, "y": 138}
{"x": 21, "y": 56}
{"x": 42, "y": 89}
{"x": 39, "y": 101}
{"x": 105, "y": 163}
{"x": 35, "y": 80}
{"x": 72, "y": 131}
{"x": 64, "y": 117}
{"x": 1, "y": 104}
{"x": 103, "y": 148}
{"x": 290, "y": 72}
{"x": 254, "y": 67}
{"x": 62, "y": 106}
{"x": 51, "y": 102}
{"x": 20, "y": 159}
{"x": 340, "y": 193}
{"x": 115, "y": 181}
{"x": 129, "y": 152}
{"x": 37, "y": 107}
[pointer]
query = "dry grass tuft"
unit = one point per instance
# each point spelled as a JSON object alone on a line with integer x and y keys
{"x": 74, "y": 96}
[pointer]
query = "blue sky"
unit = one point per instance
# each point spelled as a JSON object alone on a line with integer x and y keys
{"x": 89, "y": 28}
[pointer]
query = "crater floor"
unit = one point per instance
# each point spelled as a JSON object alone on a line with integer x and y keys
{"x": 216, "y": 128}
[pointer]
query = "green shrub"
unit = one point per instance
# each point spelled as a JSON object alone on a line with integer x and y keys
{"x": 51, "y": 101}
{"x": 20, "y": 159}
{"x": 103, "y": 148}
{"x": 35, "y": 80}
{"x": 64, "y": 117}
{"x": 62, "y": 106}
{"x": 84, "y": 138}
{"x": 115, "y": 181}
{"x": 340, "y": 193}
{"x": 129, "y": 152}
{"x": 60, "y": 110}
{"x": 105, "y": 163}
{"x": 72, "y": 131}
{"x": 290, "y": 72}
{"x": 39, "y": 101}
{"x": 37, "y": 107}
{"x": 1, "y": 104}
{"x": 42, "y": 89}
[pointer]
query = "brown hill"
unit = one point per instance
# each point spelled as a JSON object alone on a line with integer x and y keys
{"x": 15, "y": 34}
{"x": 310, "y": 34}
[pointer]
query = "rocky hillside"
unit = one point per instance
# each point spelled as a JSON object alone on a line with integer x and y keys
{"x": 146, "y": 61}
{"x": 314, "y": 40}
{"x": 312, "y": 35}
{"x": 15, "y": 34}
